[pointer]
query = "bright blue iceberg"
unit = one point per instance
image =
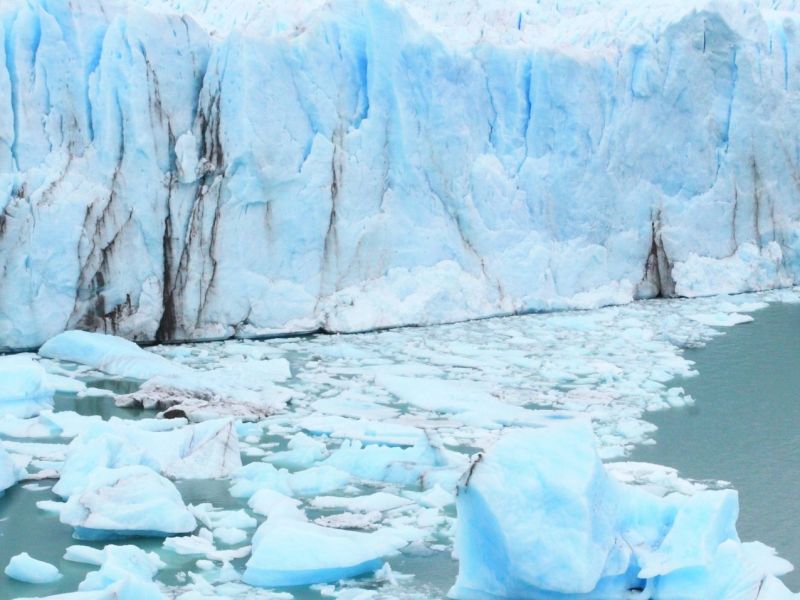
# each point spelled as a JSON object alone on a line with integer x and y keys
{"x": 540, "y": 518}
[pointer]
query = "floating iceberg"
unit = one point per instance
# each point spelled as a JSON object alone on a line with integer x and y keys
{"x": 9, "y": 472}
{"x": 176, "y": 389}
{"x": 29, "y": 570}
{"x": 206, "y": 450}
{"x": 24, "y": 390}
{"x": 539, "y": 517}
{"x": 288, "y": 551}
{"x": 110, "y": 354}
{"x": 390, "y": 464}
{"x": 126, "y": 502}
{"x": 117, "y": 564}
{"x": 308, "y": 482}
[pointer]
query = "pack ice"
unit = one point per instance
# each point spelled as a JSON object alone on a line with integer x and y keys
{"x": 182, "y": 169}
{"x": 540, "y": 518}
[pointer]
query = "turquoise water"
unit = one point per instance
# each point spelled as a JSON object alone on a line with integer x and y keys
{"x": 742, "y": 428}
{"x": 745, "y": 426}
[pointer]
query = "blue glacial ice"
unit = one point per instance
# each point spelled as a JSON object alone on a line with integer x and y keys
{"x": 539, "y": 517}
{"x": 203, "y": 451}
{"x": 117, "y": 564}
{"x": 228, "y": 390}
{"x": 9, "y": 471}
{"x": 25, "y": 568}
{"x": 290, "y": 551}
{"x": 24, "y": 387}
{"x": 182, "y": 169}
{"x": 123, "y": 502}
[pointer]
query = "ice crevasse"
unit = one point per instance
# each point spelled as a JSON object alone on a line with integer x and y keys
{"x": 177, "y": 169}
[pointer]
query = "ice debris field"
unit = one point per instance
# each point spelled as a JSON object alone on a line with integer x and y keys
{"x": 481, "y": 460}
{"x": 204, "y": 169}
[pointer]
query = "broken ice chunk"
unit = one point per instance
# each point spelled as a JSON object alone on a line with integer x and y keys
{"x": 24, "y": 391}
{"x": 23, "y": 567}
{"x": 289, "y": 552}
{"x": 129, "y": 501}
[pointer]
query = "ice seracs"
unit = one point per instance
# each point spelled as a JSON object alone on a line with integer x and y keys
{"x": 539, "y": 517}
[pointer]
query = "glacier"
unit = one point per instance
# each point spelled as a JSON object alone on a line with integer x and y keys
{"x": 187, "y": 169}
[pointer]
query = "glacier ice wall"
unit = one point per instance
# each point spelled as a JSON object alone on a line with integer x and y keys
{"x": 183, "y": 169}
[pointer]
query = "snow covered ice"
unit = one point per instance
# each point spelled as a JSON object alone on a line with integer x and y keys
{"x": 392, "y": 163}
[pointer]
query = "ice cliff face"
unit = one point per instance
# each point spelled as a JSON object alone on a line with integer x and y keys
{"x": 264, "y": 166}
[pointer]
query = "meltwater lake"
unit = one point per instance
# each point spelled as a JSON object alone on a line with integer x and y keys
{"x": 744, "y": 427}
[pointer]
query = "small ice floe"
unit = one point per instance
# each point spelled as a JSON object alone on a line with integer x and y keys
{"x": 202, "y": 544}
{"x": 127, "y": 501}
{"x": 290, "y": 551}
{"x": 125, "y": 572}
{"x": 110, "y": 354}
{"x": 214, "y": 518}
{"x": 379, "y": 501}
{"x": 721, "y": 319}
{"x": 539, "y": 516}
{"x": 24, "y": 389}
{"x": 169, "y": 386}
{"x": 304, "y": 451}
{"x": 10, "y": 473}
{"x": 368, "y": 431}
{"x": 308, "y": 482}
{"x": 23, "y": 567}
{"x": 266, "y": 501}
{"x": 12, "y": 426}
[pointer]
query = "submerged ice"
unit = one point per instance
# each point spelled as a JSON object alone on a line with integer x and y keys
{"x": 183, "y": 169}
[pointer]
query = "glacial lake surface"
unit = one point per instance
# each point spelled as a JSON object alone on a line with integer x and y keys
{"x": 744, "y": 427}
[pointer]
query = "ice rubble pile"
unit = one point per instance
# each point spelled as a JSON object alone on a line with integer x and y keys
{"x": 368, "y": 447}
{"x": 539, "y": 516}
{"x": 258, "y": 166}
